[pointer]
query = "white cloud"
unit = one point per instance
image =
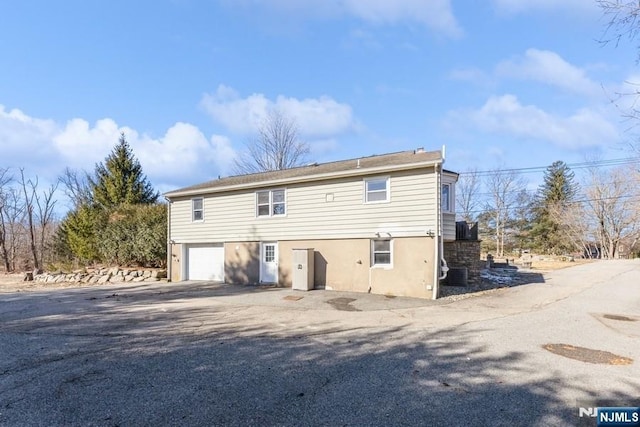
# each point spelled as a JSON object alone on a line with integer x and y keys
{"x": 323, "y": 146}
{"x": 436, "y": 15}
{"x": 184, "y": 151}
{"x": 520, "y": 6}
{"x": 550, "y": 68}
{"x": 182, "y": 156}
{"x": 507, "y": 116}
{"x": 82, "y": 146}
{"x": 25, "y": 140}
{"x": 316, "y": 117}
{"x": 472, "y": 75}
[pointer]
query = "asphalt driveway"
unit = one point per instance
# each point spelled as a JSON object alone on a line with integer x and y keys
{"x": 201, "y": 354}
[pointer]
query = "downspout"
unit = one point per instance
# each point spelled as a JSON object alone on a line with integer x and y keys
{"x": 444, "y": 268}
{"x": 169, "y": 251}
{"x": 440, "y": 264}
{"x": 436, "y": 248}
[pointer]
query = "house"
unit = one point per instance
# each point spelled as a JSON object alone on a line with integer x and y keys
{"x": 376, "y": 224}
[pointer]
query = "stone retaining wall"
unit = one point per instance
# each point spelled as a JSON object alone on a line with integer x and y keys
{"x": 104, "y": 275}
{"x": 465, "y": 253}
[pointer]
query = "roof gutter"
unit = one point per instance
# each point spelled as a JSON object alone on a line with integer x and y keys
{"x": 301, "y": 179}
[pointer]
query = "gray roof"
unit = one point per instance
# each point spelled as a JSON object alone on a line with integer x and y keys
{"x": 359, "y": 166}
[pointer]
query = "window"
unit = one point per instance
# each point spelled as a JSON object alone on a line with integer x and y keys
{"x": 263, "y": 203}
{"x": 197, "y": 209}
{"x": 269, "y": 253}
{"x": 277, "y": 202}
{"x": 270, "y": 203}
{"x": 376, "y": 190}
{"x": 447, "y": 205}
{"x": 381, "y": 253}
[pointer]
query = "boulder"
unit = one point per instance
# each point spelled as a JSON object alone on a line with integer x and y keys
{"x": 104, "y": 279}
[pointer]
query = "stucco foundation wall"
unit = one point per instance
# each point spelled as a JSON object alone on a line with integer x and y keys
{"x": 175, "y": 262}
{"x": 344, "y": 265}
{"x": 412, "y": 269}
{"x": 242, "y": 263}
{"x": 340, "y": 264}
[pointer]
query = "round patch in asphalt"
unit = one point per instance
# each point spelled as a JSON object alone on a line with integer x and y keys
{"x": 587, "y": 355}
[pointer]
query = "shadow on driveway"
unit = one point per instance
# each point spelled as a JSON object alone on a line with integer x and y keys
{"x": 138, "y": 355}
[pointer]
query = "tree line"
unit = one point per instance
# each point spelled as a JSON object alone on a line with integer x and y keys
{"x": 596, "y": 216}
{"x": 115, "y": 217}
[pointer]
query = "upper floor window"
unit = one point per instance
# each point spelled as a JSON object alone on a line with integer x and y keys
{"x": 270, "y": 203}
{"x": 197, "y": 209}
{"x": 376, "y": 190}
{"x": 447, "y": 198}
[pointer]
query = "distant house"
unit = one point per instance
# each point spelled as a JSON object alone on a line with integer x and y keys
{"x": 376, "y": 224}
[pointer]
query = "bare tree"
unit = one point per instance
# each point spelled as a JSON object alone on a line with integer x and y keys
{"x": 575, "y": 225}
{"x": 623, "y": 22}
{"x": 505, "y": 188}
{"x": 277, "y": 146}
{"x": 467, "y": 189}
{"x": 45, "y": 204}
{"x": 35, "y": 214}
{"x": 15, "y": 232}
{"x": 5, "y": 179}
{"x": 29, "y": 192}
{"x": 613, "y": 206}
{"x": 76, "y": 186}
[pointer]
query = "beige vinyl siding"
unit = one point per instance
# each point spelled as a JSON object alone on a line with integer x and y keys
{"x": 449, "y": 226}
{"x": 232, "y": 216}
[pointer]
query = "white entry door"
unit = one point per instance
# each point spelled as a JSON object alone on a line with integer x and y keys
{"x": 269, "y": 262}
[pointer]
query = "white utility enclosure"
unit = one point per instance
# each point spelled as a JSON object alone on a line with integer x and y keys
{"x": 303, "y": 269}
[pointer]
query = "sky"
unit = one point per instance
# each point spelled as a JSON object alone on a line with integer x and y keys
{"x": 499, "y": 83}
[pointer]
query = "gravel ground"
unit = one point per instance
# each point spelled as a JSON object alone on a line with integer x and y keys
{"x": 170, "y": 354}
{"x": 491, "y": 280}
{"x": 497, "y": 278}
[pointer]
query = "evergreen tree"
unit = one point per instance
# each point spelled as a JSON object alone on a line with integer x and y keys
{"x": 120, "y": 179}
{"x": 558, "y": 190}
{"x": 135, "y": 234}
{"x": 80, "y": 230}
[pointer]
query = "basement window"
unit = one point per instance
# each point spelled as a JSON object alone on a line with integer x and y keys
{"x": 381, "y": 253}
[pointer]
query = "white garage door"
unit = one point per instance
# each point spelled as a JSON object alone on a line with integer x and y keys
{"x": 205, "y": 262}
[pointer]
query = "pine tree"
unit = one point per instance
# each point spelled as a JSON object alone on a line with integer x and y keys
{"x": 119, "y": 180}
{"x": 80, "y": 231}
{"x": 558, "y": 190}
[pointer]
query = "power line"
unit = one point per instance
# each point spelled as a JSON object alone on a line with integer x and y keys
{"x": 632, "y": 197}
{"x": 537, "y": 169}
